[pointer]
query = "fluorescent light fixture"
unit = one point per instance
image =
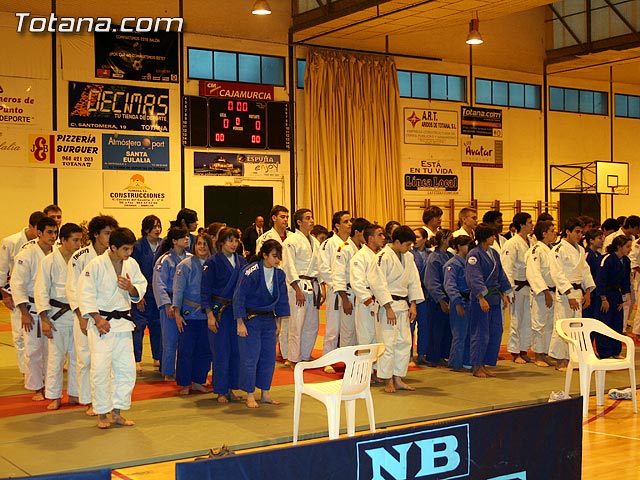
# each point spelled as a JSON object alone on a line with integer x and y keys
{"x": 261, "y": 7}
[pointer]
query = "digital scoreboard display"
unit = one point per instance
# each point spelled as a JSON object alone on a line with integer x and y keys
{"x": 235, "y": 123}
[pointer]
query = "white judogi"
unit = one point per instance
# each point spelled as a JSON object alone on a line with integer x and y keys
{"x": 300, "y": 259}
{"x": 341, "y": 282}
{"x": 634, "y": 256}
{"x": 50, "y": 285}
{"x": 8, "y": 251}
{"x": 113, "y": 366}
{"x": 462, "y": 231}
{"x": 569, "y": 269}
{"x": 271, "y": 234}
{"x": 400, "y": 279}
{"x": 23, "y": 277}
{"x": 326, "y": 262}
{"x": 499, "y": 243}
{"x": 76, "y": 265}
{"x": 539, "y": 277}
{"x": 513, "y": 263}
{"x": 361, "y": 268}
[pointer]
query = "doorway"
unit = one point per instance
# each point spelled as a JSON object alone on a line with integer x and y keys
{"x": 237, "y": 206}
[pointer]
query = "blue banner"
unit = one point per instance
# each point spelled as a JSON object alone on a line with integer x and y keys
{"x": 118, "y": 107}
{"x": 219, "y": 164}
{"x": 134, "y": 152}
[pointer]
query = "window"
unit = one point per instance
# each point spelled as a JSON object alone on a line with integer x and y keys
{"x": 507, "y": 94}
{"x": 302, "y": 66}
{"x": 578, "y": 101}
{"x": 627, "y": 106}
{"x": 432, "y": 86}
{"x": 235, "y": 67}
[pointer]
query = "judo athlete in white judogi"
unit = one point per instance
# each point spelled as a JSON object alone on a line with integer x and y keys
{"x": 100, "y": 228}
{"x": 572, "y": 277}
{"x": 514, "y": 266}
{"x": 57, "y": 317}
{"x": 9, "y": 248}
{"x": 300, "y": 264}
{"x": 542, "y": 290}
{"x": 108, "y": 285}
{"x": 22, "y": 284}
{"x": 395, "y": 282}
{"x": 360, "y": 266}
{"x": 341, "y": 223}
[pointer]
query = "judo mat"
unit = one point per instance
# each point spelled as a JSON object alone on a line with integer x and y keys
{"x": 168, "y": 427}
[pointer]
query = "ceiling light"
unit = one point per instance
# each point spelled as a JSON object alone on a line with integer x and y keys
{"x": 261, "y": 7}
{"x": 474, "y": 37}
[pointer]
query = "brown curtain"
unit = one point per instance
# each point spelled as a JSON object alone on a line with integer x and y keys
{"x": 353, "y": 136}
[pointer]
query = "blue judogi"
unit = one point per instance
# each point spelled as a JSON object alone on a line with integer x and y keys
{"x": 485, "y": 276}
{"x": 258, "y": 348}
{"x": 163, "y": 273}
{"x": 194, "y": 354}
{"x": 219, "y": 279}
{"x": 438, "y": 328}
{"x": 593, "y": 258}
{"x": 613, "y": 281}
{"x": 455, "y": 285}
{"x": 143, "y": 254}
{"x": 421, "y": 308}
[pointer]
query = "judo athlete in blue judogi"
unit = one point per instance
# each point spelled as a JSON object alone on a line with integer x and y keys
{"x": 145, "y": 313}
{"x": 259, "y": 302}
{"x": 455, "y": 285}
{"x": 613, "y": 287}
{"x": 219, "y": 280}
{"x": 194, "y": 353}
{"x": 420, "y": 252}
{"x": 488, "y": 284}
{"x": 176, "y": 245}
{"x": 438, "y": 329}
{"x": 594, "y": 239}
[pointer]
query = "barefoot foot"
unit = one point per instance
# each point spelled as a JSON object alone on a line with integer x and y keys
{"x": 55, "y": 404}
{"x": 89, "y": 412}
{"x": 266, "y": 398}
{"x": 183, "y": 391}
{"x": 38, "y": 396}
{"x": 120, "y": 420}
{"x": 103, "y": 421}
{"x": 73, "y": 400}
{"x": 251, "y": 401}
{"x": 400, "y": 385}
{"x": 222, "y": 399}
{"x": 198, "y": 387}
{"x": 389, "y": 387}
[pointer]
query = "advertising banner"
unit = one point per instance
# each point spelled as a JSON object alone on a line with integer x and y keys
{"x": 136, "y": 190}
{"x": 118, "y": 107}
{"x": 219, "y": 164}
{"x": 246, "y": 91}
{"x": 13, "y": 146}
{"x": 74, "y": 149}
{"x": 430, "y": 127}
{"x": 149, "y": 57}
{"x": 482, "y": 152}
{"x": 262, "y": 166}
{"x": 134, "y": 152}
{"x": 486, "y": 122}
{"x": 434, "y": 177}
{"x": 21, "y": 102}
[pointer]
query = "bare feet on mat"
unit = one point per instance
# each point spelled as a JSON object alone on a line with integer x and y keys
{"x": 73, "y": 400}
{"x": 89, "y": 411}
{"x": 169, "y": 378}
{"x": 55, "y": 404}
{"x": 103, "y": 421}
{"x": 479, "y": 372}
{"x": 540, "y": 360}
{"x": 233, "y": 397}
{"x": 266, "y": 398}
{"x": 183, "y": 391}
{"x": 519, "y": 360}
{"x": 389, "y": 387}
{"x": 120, "y": 420}
{"x": 38, "y": 396}
{"x": 400, "y": 385}
{"x": 222, "y": 399}
{"x": 251, "y": 401}
{"x": 562, "y": 364}
{"x": 525, "y": 357}
{"x": 198, "y": 387}
{"x": 138, "y": 367}
{"x": 156, "y": 363}
{"x": 488, "y": 372}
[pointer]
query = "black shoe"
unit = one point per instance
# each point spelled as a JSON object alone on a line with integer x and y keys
{"x": 420, "y": 360}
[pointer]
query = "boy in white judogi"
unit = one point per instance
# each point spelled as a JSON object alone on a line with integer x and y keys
{"x": 108, "y": 285}
{"x": 22, "y": 284}
{"x": 8, "y": 250}
{"x": 398, "y": 293}
{"x": 300, "y": 264}
{"x": 542, "y": 290}
{"x": 57, "y": 317}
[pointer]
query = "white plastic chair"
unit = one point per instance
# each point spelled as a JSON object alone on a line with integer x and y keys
{"x": 355, "y": 384}
{"x": 577, "y": 333}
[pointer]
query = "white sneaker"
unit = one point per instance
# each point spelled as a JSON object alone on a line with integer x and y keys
{"x": 557, "y": 396}
{"x": 616, "y": 394}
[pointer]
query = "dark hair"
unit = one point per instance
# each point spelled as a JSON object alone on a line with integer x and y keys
{"x": 403, "y": 234}
{"x": 275, "y": 211}
{"x": 461, "y": 241}
{"x": 148, "y": 223}
{"x": 214, "y": 228}
{"x": 483, "y": 232}
{"x": 319, "y": 230}
{"x": 45, "y": 222}
{"x": 389, "y": 226}
{"x": 430, "y": 213}
{"x": 187, "y": 215}
{"x": 544, "y": 216}
{"x": 99, "y": 223}
{"x": 571, "y": 224}
{"x": 621, "y": 219}
{"x": 268, "y": 247}
{"x": 617, "y": 242}
{"x": 610, "y": 224}
{"x": 370, "y": 230}
{"x": 224, "y": 234}
{"x": 586, "y": 219}
{"x": 358, "y": 225}
{"x": 336, "y": 218}
{"x": 35, "y": 217}
{"x": 422, "y": 231}
{"x": 520, "y": 219}
{"x": 51, "y": 208}
{"x": 541, "y": 228}
{"x": 592, "y": 234}
{"x": 207, "y": 239}
{"x": 439, "y": 237}
{"x": 491, "y": 216}
{"x": 297, "y": 216}
{"x": 632, "y": 221}
{"x": 174, "y": 233}
{"x": 68, "y": 229}
{"x": 121, "y": 236}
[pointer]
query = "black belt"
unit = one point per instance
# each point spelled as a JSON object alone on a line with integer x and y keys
{"x": 617, "y": 288}
{"x": 316, "y": 297}
{"x": 38, "y": 329}
{"x": 551, "y": 289}
{"x": 577, "y": 286}
{"x": 399, "y": 299}
{"x": 64, "y": 308}
{"x": 116, "y": 315}
{"x": 224, "y": 303}
{"x": 336, "y": 304}
{"x": 465, "y": 296}
{"x": 520, "y": 284}
{"x": 251, "y": 314}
